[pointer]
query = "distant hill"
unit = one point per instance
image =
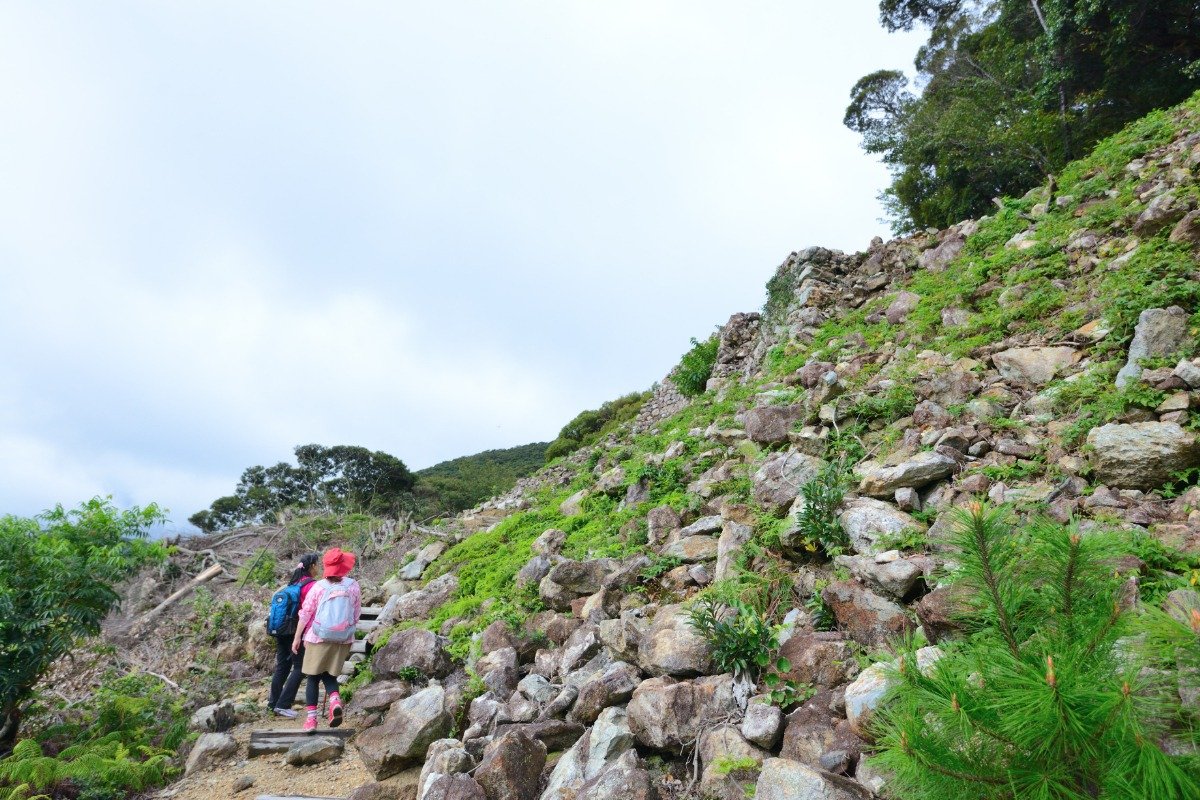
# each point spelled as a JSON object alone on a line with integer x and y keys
{"x": 463, "y": 482}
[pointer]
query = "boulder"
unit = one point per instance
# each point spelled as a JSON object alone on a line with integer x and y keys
{"x": 581, "y": 646}
{"x": 1159, "y": 332}
{"x": 625, "y": 779}
{"x": 415, "y": 648}
{"x": 445, "y": 757}
{"x": 821, "y": 658}
{"x": 673, "y": 647}
{"x": 582, "y": 577}
{"x": 771, "y": 424}
{"x": 666, "y": 714}
{"x": 511, "y": 768}
{"x": 419, "y": 604}
{"x": 897, "y": 579}
{"x": 866, "y": 521}
{"x": 921, "y": 470}
{"x": 783, "y": 779}
{"x": 612, "y": 686}
{"x": 661, "y": 522}
{"x": 710, "y": 524}
{"x": 777, "y": 482}
{"x": 452, "y": 787}
{"x": 573, "y": 505}
{"x": 904, "y": 304}
{"x": 1165, "y": 209}
{"x": 380, "y": 695}
{"x": 1034, "y": 366}
{"x": 596, "y": 750}
{"x": 733, "y": 535}
{"x": 811, "y": 731}
{"x": 692, "y": 549}
{"x": 550, "y": 543}
{"x": 215, "y": 718}
{"x": 864, "y": 695}
{"x": 723, "y": 742}
{"x": 762, "y": 724}
{"x": 869, "y": 619}
{"x": 411, "y": 725}
{"x": 209, "y": 750}
{"x": 316, "y": 750}
{"x": 937, "y": 258}
{"x": 534, "y": 571}
{"x": 555, "y": 734}
{"x": 499, "y": 671}
{"x": 1141, "y": 455}
{"x": 537, "y": 688}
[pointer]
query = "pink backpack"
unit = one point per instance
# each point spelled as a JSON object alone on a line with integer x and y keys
{"x": 334, "y": 620}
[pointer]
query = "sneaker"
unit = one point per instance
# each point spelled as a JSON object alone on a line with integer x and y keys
{"x": 335, "y": 712}
{"x": 285, "y": 712}
{"x": 310, "y": 724}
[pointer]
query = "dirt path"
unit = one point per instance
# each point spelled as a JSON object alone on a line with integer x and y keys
{"x": 271, "y": 774}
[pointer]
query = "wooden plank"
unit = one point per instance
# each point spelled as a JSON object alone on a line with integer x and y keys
{"x": 371, "y": 611}
{"x": 367, "y": 625}
{"x": 359, "y": 646}
{"x": 267, "y": 742}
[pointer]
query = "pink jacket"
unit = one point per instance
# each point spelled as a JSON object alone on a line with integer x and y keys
{"x": 308, "y": 609}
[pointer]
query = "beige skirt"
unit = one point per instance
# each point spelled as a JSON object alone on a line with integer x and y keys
{"x": 324, "y": 657}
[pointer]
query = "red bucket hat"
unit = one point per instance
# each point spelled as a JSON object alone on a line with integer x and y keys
{"x": 338, "y": 562}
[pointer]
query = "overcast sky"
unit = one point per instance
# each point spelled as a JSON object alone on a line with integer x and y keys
{"x": 228, "y": 228}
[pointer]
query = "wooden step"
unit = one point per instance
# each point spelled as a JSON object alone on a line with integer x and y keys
{"x": 367, "y": 625}
{"x": 370, "y": 611}
{"x": 266, "y": 742}
{"x": 359, "y": 646}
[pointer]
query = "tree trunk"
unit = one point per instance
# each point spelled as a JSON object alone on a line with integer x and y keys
{"x": 8, "y": 730}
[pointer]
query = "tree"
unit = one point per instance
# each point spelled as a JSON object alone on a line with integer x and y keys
{"x": 57, "y": 573}
{"x": 335, "y": 479}
{"x": 1063, "y": 689}
{"x": 1011, "y": 90}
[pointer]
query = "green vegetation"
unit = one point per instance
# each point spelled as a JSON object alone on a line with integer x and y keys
{"x": 589, "y": 426}
{"x": 462, "y": 483}
{"x": 212, "y": 620}
{"x": 818, "y": 521}
{"x": 57, "y": 578}
{"x": 742, "y": 639}
{"x": 260, "y": 570}
{"x": 696, "y": 366}
{"x": 330, "y": 479}
{"x": 123, "y": 741}
{"x": 1013, "y": 91}
{"x": 1047, "y": 697}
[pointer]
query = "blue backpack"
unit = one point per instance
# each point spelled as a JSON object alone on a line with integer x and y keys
{"x": 284, "y": 613}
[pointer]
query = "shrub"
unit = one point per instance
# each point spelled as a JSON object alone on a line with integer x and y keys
{"x": 741, "y": 638}
{"x": 691, "y": 377}
{"x": 260, "y": 570}
{"x": 1048, "y": 697}
{"x": 588, "y": 426}
{"x": 818, "y": 523}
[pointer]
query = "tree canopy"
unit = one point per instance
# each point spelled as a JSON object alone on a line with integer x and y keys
{"x": 57, "y": 578}
{"x": 339, "y": 478}
{"x": 1009, "y": 91}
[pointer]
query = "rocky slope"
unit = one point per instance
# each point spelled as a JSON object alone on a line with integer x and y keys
{"x": 540, "y": 645}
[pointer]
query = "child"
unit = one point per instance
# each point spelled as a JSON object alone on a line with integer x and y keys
{"x": 328, "y": 618}
{"x": 286, "y": 680}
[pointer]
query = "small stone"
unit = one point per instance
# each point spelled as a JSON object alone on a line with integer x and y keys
{"x": 242, "y": 784}
{"x": 908, "y": 499}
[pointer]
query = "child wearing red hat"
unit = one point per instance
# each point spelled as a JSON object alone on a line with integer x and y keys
{"x": 328, "y": 618}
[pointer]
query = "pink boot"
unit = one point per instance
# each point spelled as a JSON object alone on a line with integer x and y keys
{"x": 335, "y": 709}
{"x": 310, "y": 721}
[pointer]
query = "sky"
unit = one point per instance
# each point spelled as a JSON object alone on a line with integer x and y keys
{"x": 230, "y": 228}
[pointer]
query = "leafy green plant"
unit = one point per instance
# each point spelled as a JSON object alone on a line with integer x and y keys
{"x": 57, "y": 574}
{"x": 1043, "y": 699}
{"x": 411, "y": 674}
{"x": 696, "y": 366}
{"x": 786, "y": 692}
{"x": 907, "y": 539}
{"x": 742, "y": 639}
{"x": 725, "y": 764}
{"x": 259, "y": 570}
{"x": 818, "y": 521}
{"x": 819, "y": 610}
{"x": 659, "y": 564}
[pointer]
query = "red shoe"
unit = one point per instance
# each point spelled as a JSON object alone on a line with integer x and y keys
{"x": 310, "y": 723}
{"x": 335, "y": 711}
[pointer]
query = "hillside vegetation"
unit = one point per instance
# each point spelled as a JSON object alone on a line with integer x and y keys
{"x": 929, "y": 527}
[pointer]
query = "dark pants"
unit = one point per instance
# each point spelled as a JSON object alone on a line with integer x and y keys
{"x": 312, "y": 690}
{"x": 286, "y": 680}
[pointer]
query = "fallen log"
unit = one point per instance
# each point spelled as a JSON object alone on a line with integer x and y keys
{"x": 192, "y": 585}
